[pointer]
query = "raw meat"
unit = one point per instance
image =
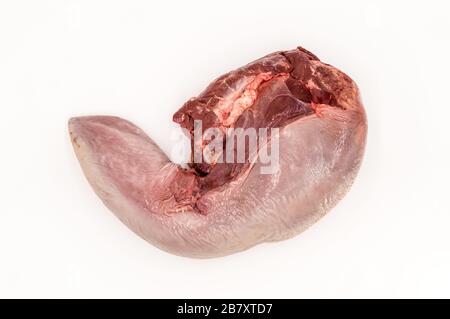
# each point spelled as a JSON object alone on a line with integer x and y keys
{"x": 217, "y": 208}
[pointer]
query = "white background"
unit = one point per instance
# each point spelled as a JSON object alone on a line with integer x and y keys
{"x": 141, "y": 60}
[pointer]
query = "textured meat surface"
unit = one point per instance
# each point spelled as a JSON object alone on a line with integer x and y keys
{"x": 269, "y": 92}
{"x": 217, "y": 209}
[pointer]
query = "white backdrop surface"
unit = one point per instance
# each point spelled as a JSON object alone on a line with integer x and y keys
{"x": 141, "y": 60}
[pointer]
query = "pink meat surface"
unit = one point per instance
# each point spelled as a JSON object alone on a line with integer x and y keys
{"x": 216, "y": 209}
